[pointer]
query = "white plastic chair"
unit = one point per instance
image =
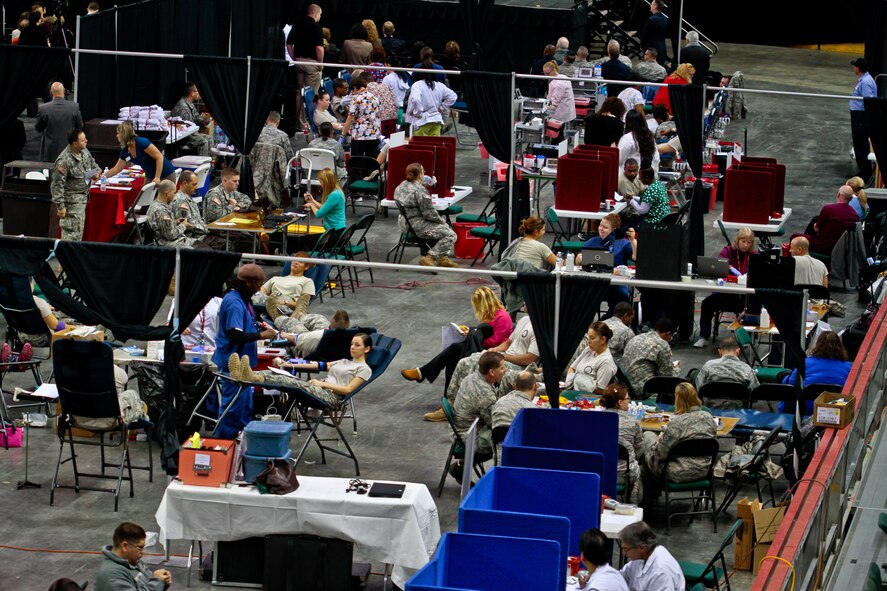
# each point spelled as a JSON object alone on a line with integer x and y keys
{"x": 313, "y": 160}
{"x": 137, "y": 211}
{"x": 202, "y": 172}
{"x": 178, "y": 174}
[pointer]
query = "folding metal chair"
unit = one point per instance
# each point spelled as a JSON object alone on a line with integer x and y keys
{"x": 701, "y": 490}
{"x": 710, "y": 574}
{"x": 749, "y": 469}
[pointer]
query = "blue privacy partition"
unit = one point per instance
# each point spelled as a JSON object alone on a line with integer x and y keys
{"x": 586, "y": 431}
{"x": 528, "y": 493}
{"x": 490, "y": 563}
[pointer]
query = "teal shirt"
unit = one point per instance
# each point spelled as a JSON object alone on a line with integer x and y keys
{"x": 332, "y": 212}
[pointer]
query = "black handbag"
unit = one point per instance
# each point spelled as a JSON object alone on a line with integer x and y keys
{"x": 278, "y": 478}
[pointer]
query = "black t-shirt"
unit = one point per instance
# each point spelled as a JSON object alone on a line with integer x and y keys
{"x": 305, "y": 36}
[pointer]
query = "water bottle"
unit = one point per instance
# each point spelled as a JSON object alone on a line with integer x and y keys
{"x": 597, "y": 71}
{"x": 765, "y": 318}
{"x": 640, "y": 411}
{"x": 571, "y": 259}
{"x": 104, "y": 180}
{"x": 559, "y": 262}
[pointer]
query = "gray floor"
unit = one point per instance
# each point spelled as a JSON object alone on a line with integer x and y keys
{"x": 810, "y": 135}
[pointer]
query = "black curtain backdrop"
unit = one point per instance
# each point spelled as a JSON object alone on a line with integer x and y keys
{"x": 580, "y": 298}
{"x": 489, "y": 100}
{"x": 477, "y": 15}
{"x": 223, "y": 85}
{"x": 876, "y": 110}
{"x": 875, "y": 19}
{"x": 97, "y": 74}
{"x": 25, "y": 71}
{"x": 258, "y": 30}
{"x": 687, "y": 102}
{"x": 674, "y": 28}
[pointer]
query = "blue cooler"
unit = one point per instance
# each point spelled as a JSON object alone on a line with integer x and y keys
{"x": 192, "y": 163}
{"x": 253, "y": 465}
{"x": 267, "y": 439}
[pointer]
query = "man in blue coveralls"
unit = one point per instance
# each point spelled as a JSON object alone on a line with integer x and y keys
{"x": 238, "y": 333}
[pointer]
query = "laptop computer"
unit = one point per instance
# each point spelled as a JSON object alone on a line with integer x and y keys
{"x": 392, "y": 490}
{"x": 712, "y": 267}
{"x": 595, "y": 259}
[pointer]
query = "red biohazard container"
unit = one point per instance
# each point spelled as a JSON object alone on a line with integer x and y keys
{"x": 467, "y": 246}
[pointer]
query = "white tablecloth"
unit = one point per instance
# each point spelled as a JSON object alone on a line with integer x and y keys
{"x": 402, "y": 532}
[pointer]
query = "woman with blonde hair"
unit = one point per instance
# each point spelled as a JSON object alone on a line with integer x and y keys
{"x": 493, "y": 329}
{"x": 859, "y": 202}
{"x": 561, "y": 102}
{"x": 331, "y": 207}
{"x": 683, "y": 74}
{"x": 529, "y": 246}
{"x": 688, "y": 422}
{"x": 372, "y": 32}
{"x": 139, "y": 150}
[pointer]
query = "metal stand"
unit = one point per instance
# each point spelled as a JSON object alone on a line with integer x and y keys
{"x": 27, "y": 483}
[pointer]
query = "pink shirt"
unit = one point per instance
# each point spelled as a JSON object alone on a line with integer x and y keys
{"x": 502, "y": 327}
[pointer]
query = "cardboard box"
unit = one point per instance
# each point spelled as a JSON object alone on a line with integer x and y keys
{"x": 767, "y": 522}
{"x": 208, "y": 466}
{"x": 69, "y": 333}
{"x": 828, "y": 414}
{"x": 744, "y": 542}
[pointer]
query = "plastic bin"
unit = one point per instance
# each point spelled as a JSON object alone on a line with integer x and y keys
{"x": 253, "y": 465}
{"x": 490, "y": 563}
{"x": 569, "y": 430}
{"x": 467, "y": 246}
{"x": 270, "y": 439}
{"x": 207, "y": 466}
{"x": 192, "y": 163}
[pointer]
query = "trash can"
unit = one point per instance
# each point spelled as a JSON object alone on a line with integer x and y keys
{"x": 467, "y": 246}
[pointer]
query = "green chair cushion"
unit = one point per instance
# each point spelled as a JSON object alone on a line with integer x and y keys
{"x": 453, "y": 209}
{"x": 369, "y": 186}
{"x": 620, "y": 487}
{"x": 688, "y": 486}
{"x": 770, "y": 375}
{"x": 485, "y": 232}
{"x": 476, "y": 218}
{"x": 693, "y": 573}
{"x": 353, "y": 249}
{"x": 882, "y": 522}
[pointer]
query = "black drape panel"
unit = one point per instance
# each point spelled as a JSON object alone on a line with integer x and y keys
{"x": 875, "y": 19}
{"x": 257, "y": 29}
{"x": 24, "y": 72}
{"x": 223, "y": 85}
{"x": 22, "y": 257}
{"x": 687, "y": 102}
{"x": 477, "y": 15}
{"x": 876, "y": 110}
{"x": 97, "y": 76}
{"x": 674, "y": 28}
{"x": 490, "y": 102}
{"x": 580, "y": 298}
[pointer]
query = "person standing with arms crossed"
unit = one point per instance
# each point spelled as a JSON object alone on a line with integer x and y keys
{"x": 859, "y": 125}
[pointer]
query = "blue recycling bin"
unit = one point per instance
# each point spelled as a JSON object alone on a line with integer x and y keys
{"x": 576, "y": 431}
{"x": 469, "y": 562}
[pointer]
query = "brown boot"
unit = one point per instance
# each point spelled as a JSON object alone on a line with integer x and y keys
{"x": 446, "y": 262}
{"x": 414, "y": 375}
{"x": 426, "y": 261}
{"x": 234, "y": 367}
{"x": 246, "y": 372}
{"x": 437, "y": 416}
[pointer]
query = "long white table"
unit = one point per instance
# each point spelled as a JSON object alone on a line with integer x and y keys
{"x": 590, "y": 215}
{"x": 440, "y": 203}
{"x": 399, "y": 532}
{"x": 772, "y": 227}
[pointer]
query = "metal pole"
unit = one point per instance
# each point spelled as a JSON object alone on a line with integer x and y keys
{"x": 246, "y": 107}
{"x": 175, "y": 296}
{"x": 511, "y": 173}
{"x": 230, "y": 26}
{"x": 680, "y": 28}
{"x": 77, "y": 59}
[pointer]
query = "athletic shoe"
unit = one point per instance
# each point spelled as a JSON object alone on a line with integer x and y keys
{"x": 27, "y": 352}
{"x": 5, "y": 353}
{"x": 701, "y": 343}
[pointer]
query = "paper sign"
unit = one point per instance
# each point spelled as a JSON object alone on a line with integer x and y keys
{"x": 202, "y": 460}
{"x": 831, "y": 416}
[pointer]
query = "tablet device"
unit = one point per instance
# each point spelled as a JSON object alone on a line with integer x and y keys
{"x": 391, "y": 490}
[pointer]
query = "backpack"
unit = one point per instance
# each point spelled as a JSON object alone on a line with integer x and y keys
{"x": 810, "y": 436}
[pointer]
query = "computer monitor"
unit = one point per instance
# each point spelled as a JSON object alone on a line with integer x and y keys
{"x": 585, "y": 72}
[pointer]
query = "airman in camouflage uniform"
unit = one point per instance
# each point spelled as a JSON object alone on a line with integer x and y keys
{"x": 69, "y": 185}
{"x": 186, "y": 110}
{"x": 476, "y": 397}
{"x": 425, "y": 221}
{"x": 507, "y": 407}
{"x": 728, "y": 367}
{"x": 647, "y": 355}
{"x": 162, "y": 219}
{"x": 185, "y": 208}
{"x": 621, "y": 335}
{"x": 467, "y": 366}
{"x": 272, "y": 135}
{"x": 224, "y": 199}
{"x": 693, "y": 424}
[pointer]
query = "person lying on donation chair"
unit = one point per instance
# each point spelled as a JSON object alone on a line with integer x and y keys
{"x": 594, "y": 369}
{"x": 616, "y": 399}
{"x": 688, "y": 422}
{"x": 494, "y": 328}
{"x": 287, "y": 295}
{"x": 305, "y": 334}
{"x": 344, "y": 376}
{"x": 826, "y": 363}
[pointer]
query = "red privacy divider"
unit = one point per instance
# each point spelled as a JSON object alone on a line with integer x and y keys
{"x": 578, "y": 183}
{"x": 777, "y": 198}
{"x": 610, "y": 156}
{"x": 445, "y": 161}
{"x": 748, "y": 195}
{"x": 401, "y": 157}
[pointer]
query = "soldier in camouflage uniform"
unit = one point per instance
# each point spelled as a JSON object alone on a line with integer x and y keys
{"x": 224, "y": 198}
{"x": 186, "y": 110}
{"x": 185, "y": 208}
{"x": 507, "y": 407}
{"x": 415, "y": 199}
{"x": 162, "y": 219}
{"x": 615, "y": 399}
{"x": 70, "y": 184}
{"x": 272, "y": 135}
{"x": 688, "y": 422}
{"x": 475, "y": 399}
{"x": 648, "y": 355}
{"x": 728, "y": 367}
{"x": 467, "y": 366}
{"x": 620, "y": 324}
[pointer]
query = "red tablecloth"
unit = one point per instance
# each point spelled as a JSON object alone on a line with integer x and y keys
{"x": 106, "y": 211}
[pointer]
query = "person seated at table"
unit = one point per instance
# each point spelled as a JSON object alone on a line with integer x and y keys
{"x": 620, "y": 323}
{"x": 594, "y": 368}
{"x": 139, "y": 150}
{"x": 529, "y": 247}
{"x": 168, "y": 228}
{"x": 412, "y": 194}
{"x": 650, "y": 565}
{"x": 325, "y": 141}
{"x": 323, "y": 113}
{"x": 629, "y": 185}
{"x": 272, "y": 134}
{"x": 605, "y": 127}
{"x": 331, "y": 208}
{"x": 521, "y": 396}
{"x": 728, "y": 367}
{"x": 186, "y": 111}
{"x": 689, "y": 421}
{"x": 185, "y": 207}
{"x": 833, "y": 220}
{"x": 623, "y": 251}
{"x": 653, "y": 204}
{"x": 493, "y": 330}
{"x": 616, "y": 399}
{"x": 344, "y": 376}
{"x": 287, "y": 295}
{"x": 858, "y": 202}
{"x": 648, "y": 354}
{"x": 808, "y": 270}
{"x": 595, "y": 551}
{"x": 826, "y": 363}
{"x": 224, "y": 199}
{"x": 737, "y": 254}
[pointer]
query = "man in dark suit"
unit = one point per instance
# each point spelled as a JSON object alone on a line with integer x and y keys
{"x": 55, "y": 119}
{"x": 655, "y": 31}
{"x": 694, "y": 53}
